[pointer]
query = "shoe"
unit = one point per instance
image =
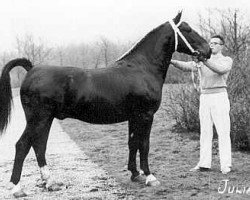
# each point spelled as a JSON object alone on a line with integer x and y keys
{"x": 199, "y": 169}
{"x": 226, "y": 170}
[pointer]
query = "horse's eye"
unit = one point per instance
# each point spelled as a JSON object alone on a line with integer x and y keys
{"x": 187, "y": 29}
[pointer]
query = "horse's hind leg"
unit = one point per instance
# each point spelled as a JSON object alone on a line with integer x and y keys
{"x": 22, "y": 149}
{"x": 39, "y": 144}
{"x": 35, "y": 135}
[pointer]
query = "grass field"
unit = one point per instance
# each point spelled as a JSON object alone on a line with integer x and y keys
{"x": 171, "y": 156}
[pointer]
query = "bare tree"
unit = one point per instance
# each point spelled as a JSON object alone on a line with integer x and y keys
{"x": 205, "y": 25}
{"x": 36, "y": 52}
{"x": 97, "y": 59}
{"x": 111, "y": 50}
{"x": 60, "y": 53}
{"x": 3, "y": 59}
{"x": 236, "y": 33}
{"x": 105, "y": 45}
{"x": 83, "y": 52}
{"x": 229, "y": 23}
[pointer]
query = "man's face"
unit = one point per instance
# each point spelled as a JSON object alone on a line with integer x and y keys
{"x": 216, "y": 45}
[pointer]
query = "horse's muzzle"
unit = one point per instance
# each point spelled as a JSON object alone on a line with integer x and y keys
{"x": 200, "y": 54}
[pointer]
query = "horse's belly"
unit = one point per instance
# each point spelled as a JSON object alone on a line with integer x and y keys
{"x": 100, "y": 114}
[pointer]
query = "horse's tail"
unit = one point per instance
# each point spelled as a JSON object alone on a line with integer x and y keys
{"x": 5, "y": 90}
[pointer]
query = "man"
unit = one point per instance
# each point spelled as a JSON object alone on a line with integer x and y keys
{"x": 214, "y": 104}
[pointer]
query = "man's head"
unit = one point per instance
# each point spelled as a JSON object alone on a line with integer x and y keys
{"x": 216, "y": 43}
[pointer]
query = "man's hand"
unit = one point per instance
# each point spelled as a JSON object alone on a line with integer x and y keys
{"x": 201, "y": 58}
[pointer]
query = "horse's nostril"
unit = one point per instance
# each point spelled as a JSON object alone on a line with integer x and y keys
{"x": 196, "y": 53}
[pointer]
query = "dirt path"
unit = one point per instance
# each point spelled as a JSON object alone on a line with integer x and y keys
{"x": 82, "y": 178}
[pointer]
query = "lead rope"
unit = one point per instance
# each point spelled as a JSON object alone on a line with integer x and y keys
{"x": 198, "y": 86}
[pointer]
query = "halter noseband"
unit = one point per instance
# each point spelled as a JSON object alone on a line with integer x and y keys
{"x": 178, "y": 32}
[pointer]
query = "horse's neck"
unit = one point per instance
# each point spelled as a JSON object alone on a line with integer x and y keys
{"x": 156, "y": 64}
{"x": 149, "y": 53}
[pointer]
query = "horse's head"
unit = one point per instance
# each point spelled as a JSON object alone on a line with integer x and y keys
{"x": 174, "y": 35}
{"x": 186, "y": 40}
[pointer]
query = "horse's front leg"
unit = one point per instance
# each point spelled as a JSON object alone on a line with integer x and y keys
{"x": 145, "y": 128}
{"x": 23, "y": 146}
{"x": 133, "y": 144}
{"x": 141, "y": 134}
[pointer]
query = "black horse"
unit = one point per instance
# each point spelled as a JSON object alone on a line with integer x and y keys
{"x": 129, "y": 90}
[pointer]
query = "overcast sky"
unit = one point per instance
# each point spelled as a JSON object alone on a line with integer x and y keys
{"x": 61, "y": 22}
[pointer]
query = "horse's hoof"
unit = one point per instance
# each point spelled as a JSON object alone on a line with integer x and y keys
{"x": 55, "y": 187}
{"x": 41, "y": 183}
{"x": 10, "y": 186}
{"x": 141, "y": 172}
{"x": 19, "y": 194}
{"x": 138, "y": 178}
{"x": 153, "y": 183}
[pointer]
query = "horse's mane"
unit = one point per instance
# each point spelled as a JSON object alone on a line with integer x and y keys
{"x": 137, "y": 44}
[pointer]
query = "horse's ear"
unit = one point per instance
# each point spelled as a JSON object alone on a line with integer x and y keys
{"x": 178, "y": 17}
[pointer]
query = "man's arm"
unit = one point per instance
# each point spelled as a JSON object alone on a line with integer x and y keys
{"x": 184, "y": 66}
{"x": 220, "y": 67}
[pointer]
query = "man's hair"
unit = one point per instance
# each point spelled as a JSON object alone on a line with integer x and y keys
{"x": 220, "y": 37}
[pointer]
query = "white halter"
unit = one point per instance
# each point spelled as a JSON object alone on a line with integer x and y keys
{"x": 198, "y": 65}
{"x": 178, "y": 32}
